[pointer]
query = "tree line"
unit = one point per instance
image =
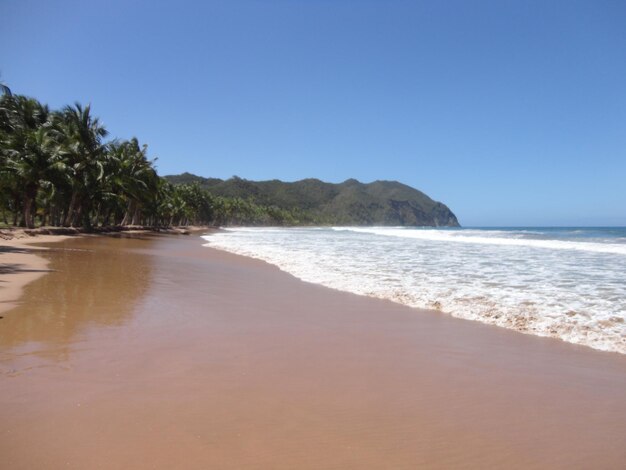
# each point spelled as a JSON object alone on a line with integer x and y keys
{"x": 57, "y": 168}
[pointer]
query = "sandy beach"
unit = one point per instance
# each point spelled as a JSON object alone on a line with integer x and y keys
{"x": 20, "y": 265}
{"x": 152, "y": 351}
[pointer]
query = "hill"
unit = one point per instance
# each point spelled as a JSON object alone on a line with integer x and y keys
{"x": 348, "y": 203}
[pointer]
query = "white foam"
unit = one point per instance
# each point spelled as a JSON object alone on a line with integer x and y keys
{"x": 576, "y": 295}
{"x": 493, "y": 239}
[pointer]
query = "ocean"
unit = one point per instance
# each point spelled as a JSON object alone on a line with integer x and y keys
{"x": 567, "y": 282}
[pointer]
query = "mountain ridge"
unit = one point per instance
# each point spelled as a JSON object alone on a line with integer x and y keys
{"x": 351, "y": 202}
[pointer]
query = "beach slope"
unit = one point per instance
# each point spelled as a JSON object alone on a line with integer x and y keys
{"x": 156, "y": 352}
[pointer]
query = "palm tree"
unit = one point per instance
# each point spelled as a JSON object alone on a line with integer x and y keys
{"x": 58, "y": 162}
{"x": 20, "y": 113}
{"x": 27, "y": 151}
{"x": 159, "y": 205}
{"x": 33, "y": 165}
{"x": 5, "y": 89}
{"x": 80, "y": 136}
{"x": 132, "y": 177}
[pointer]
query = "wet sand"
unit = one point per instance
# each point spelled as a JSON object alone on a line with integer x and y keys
{"x": 19, "y": 266}
{"x": 156, "y": 352}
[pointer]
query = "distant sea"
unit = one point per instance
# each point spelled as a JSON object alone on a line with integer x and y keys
{"x": 566, "y": 282}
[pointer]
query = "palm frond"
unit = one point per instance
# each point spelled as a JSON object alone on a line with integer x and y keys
{"x": 5, "y": 90}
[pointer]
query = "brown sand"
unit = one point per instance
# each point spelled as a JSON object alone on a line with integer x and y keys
{"x": 159, "y": 353}
{"x": 20, "y": 265}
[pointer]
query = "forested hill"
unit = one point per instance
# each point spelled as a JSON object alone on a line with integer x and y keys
{"x": 347, "y": 203}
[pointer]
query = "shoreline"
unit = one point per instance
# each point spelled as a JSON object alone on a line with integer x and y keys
{"x": 13, "y": 233}
{"x": 419, "y": 309}
{"x": 515, "y": 291}
{"x": 20, "y": 263}
{"x": 156, "y": 351}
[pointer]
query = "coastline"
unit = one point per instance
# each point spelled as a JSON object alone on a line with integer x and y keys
{"x": 563, "y": 288}
{"x": 20, "y": 265}
{"x": 20, "y": 250}
{"x": 155, "y": 351}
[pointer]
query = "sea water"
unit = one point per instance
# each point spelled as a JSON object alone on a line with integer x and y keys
{"x": 567, "y": 283}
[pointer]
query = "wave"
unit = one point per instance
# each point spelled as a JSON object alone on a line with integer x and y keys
{"x": 494, "y": 237}
{"x": 577, "y": 296}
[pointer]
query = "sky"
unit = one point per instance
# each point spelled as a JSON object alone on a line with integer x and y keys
{"x": 513, "y": 113}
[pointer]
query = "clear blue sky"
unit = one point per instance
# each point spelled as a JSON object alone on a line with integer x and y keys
{"x": 510, "y": 112}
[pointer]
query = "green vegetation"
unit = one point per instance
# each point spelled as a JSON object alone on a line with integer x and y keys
{"x": 312, "y": 201}
{"x": 57, "y": 169}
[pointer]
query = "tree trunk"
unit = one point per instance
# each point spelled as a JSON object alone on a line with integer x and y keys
{"x": 69, "y": 216}
{"x": 136, "y": 215}
{"x": 29, "y": 205}
{"x": 106, "y": 217}
{"x": 16, "y": 210}
{"x": 84, "y": 214}
{"x": 126, "y": 219}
